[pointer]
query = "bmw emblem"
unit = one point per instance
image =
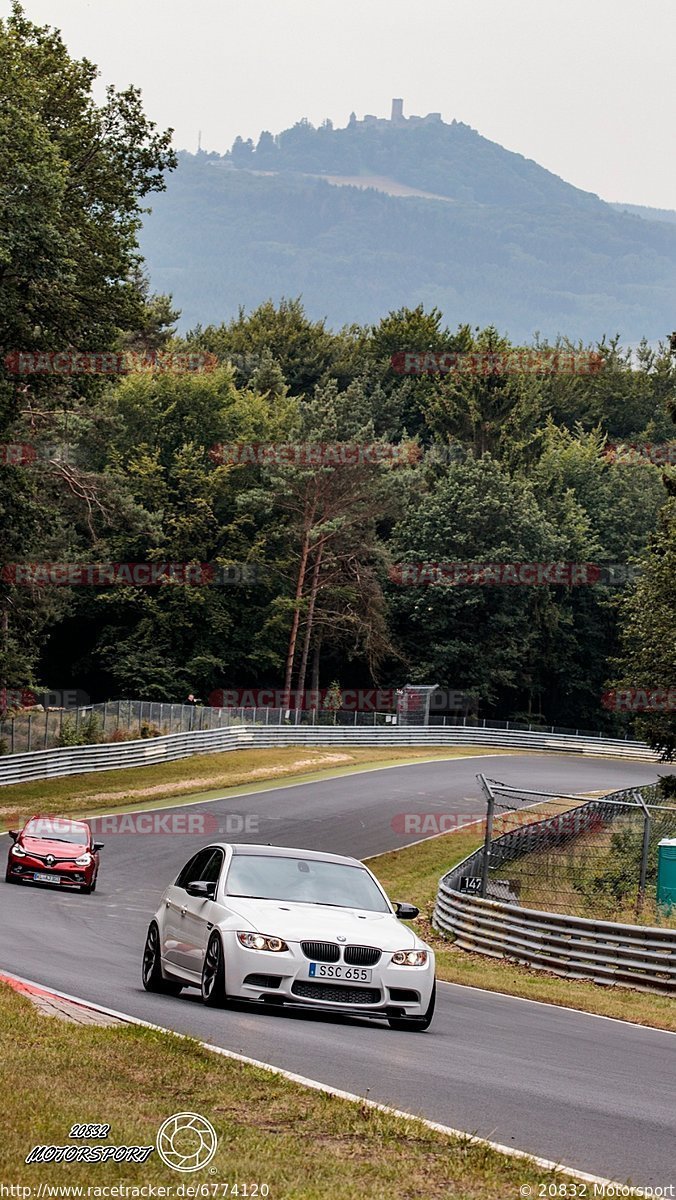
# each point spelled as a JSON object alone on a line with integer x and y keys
{"x": 340, "y": 938}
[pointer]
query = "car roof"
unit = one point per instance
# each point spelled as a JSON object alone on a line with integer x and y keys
{"x": 290, "y": 851}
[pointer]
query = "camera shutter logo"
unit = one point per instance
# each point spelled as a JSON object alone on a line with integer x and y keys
{"x": 186, "y": 1142}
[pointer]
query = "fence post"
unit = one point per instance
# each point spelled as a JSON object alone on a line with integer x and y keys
{"x": 30, "y": 721}
{"x": 46, "y": 727}
{"x": 640, "y": 898}
{"x": 490, "y": 810}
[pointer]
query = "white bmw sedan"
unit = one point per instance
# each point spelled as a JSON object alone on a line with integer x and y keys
{"x": 295, "y": 927}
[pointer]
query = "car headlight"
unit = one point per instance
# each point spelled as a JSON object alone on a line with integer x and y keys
{"x": 19, "y": 851}
{"x": 410, "y": 958}
{"x": 84, "y": 859}
{"x": 261, "y": 941}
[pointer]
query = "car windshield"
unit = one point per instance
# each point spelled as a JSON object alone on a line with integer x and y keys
{"x": 306, "y": 881}
{"x": 54, "y": 830}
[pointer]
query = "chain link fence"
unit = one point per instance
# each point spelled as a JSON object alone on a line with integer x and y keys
{"x": 127, "y": 720}
{"x": 591, "y": 858}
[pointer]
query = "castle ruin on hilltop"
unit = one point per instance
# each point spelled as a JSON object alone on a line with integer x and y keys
{"x": 396, "y": 118}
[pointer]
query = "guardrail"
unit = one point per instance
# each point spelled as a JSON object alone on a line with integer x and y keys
{"x": 111, "y": 756}
{"x": 604, "y": 951}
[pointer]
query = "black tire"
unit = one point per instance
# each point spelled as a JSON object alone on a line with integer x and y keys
{"x": 416, "y": 1024}
{"x": 151, "y": 973}
{"x": 87, "y": 888}
{"x": 94, "y": 881}
{"x": 9, "y": 878}
{"x": 213, "y": 974}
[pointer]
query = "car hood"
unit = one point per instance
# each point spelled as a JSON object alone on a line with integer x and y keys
{"x": 314, "y": 922}
{"x": 43, "y": 846}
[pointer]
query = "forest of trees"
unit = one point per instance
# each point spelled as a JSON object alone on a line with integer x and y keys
{"x": 511, "y": 466}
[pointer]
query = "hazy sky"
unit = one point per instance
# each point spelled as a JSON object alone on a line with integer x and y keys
{"x": 584, "y": 87}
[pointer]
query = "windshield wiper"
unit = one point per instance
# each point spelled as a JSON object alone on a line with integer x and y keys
{"x": 36, "y": 837}
{"x": 244, "y": 896}
{"x": 285, "y": 900}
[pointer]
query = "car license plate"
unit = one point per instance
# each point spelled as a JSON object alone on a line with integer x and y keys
{"x": 338, "y": 971}
{"x": 43, "y": 877}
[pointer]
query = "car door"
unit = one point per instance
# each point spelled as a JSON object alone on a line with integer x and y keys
{"x": 198, "y": 916}
{"x": 174, "y": 952}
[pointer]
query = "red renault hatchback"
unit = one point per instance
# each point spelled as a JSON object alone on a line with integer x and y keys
{"x": 54, "y": 850}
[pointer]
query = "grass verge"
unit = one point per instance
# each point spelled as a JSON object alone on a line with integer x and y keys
{"x": 304, "y": 1144}
{"x": 413, "y": 874}
{"x": 203, "y": 777}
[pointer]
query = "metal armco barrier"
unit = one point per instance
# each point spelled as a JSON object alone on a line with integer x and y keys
{"x": 604, "y": 951}
{"x": 111, "y": 756}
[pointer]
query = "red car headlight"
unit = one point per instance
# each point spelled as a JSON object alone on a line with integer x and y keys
{"x": 18, "y": 851}
{"x": 84, "y": 859}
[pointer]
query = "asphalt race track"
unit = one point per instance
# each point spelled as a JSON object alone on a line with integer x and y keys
{"x": 593, "y": 1094}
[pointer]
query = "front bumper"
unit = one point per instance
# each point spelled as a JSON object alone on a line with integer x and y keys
{"x": 68, "y": 875}
{"x": 284, "y": 977}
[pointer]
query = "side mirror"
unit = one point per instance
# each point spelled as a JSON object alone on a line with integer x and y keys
{"x": 202, "y": 889}
{"x": 13, "y": 833}
{"x": 98, "y": 845}
{"x": 406, "y": 912}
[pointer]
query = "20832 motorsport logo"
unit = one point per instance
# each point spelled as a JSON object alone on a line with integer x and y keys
{"x": 185, "y": 1142}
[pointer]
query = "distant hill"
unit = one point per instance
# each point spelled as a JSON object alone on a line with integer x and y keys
{"x": 337, "y": 216}
{"x": 648, "y": 214}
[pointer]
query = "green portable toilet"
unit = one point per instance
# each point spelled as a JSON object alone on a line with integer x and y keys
{"x": 666, "y": 873}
